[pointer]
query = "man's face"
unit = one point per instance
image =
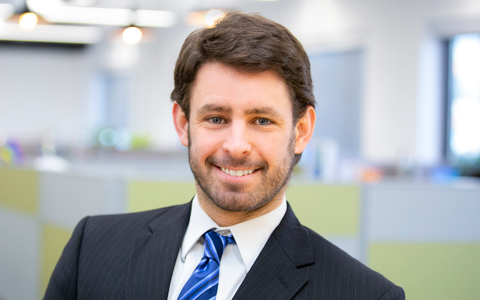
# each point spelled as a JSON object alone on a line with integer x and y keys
{"x": 241, "y": 137}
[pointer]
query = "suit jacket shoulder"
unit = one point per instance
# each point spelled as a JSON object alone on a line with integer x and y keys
{"x": 108, "y": 256}
{"x": 297, "y": 263}
{"x": 340, "y": 276}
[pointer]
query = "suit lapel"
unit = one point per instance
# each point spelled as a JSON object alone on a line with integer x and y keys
{"x": 153, "y": 256}
{"x": 275, "y": 274}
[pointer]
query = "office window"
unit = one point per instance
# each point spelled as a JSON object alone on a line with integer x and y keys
{"x": 463, "y": 105}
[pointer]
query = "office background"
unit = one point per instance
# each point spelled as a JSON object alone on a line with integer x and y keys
{"x": 86, "y": 128}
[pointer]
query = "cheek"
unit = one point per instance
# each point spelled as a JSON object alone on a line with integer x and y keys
{"x": 205, "y": 145}
{"x": 270, "y": 147}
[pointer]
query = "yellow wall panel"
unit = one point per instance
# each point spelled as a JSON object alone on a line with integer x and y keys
{"x": 19, "y": 189}
{"x": 150, "y": 195}
{"x": 54, "y": 240}
{"x": 327, "y": 209}
{"x": 430, "y": 271}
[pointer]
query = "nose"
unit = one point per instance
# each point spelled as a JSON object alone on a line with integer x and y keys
{"x": 236, "y": 142}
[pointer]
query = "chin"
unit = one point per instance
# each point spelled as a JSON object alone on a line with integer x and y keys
{"x": 235, "y": 202}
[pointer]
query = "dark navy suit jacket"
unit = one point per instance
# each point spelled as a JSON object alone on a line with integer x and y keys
{"x": 132, "y": 256}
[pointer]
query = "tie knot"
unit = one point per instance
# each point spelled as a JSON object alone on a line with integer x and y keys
{"x": 215, "y": 244}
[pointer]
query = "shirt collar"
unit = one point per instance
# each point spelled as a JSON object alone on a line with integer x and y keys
{"x": 250, "y": 236}
{"x": 199, "y": 223}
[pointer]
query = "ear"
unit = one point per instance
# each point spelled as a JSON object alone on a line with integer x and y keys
{"x": 181, "y": 123}
{"x": 304, "y": 129}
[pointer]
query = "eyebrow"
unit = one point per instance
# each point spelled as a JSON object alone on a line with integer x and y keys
{"x": 262, "y": 111}
{"x": 207, "y": 108}
{"x": 212, "y": 107}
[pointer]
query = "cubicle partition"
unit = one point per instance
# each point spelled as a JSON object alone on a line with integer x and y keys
{"x": 20, "y": 234}
{"x": 424, "y": 237}
{"x": 38, "y": 211}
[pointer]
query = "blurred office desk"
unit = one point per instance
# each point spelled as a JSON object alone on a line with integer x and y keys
{"x": 423, "y": 236}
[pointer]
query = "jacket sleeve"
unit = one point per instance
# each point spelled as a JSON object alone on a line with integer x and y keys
{"x": 63, "y": 283}
{"x": 394, "y": 293}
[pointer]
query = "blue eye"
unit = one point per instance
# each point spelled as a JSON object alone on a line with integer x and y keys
{"x": 216, "y": 120}
{"x": 263, "y": 121}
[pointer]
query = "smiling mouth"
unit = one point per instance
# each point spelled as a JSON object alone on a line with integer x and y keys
{"x": 237, "y": 173}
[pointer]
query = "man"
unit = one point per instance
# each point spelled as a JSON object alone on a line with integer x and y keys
{"x": 244, "y": 107}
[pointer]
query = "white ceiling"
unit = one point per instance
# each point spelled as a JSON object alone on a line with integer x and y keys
{"x": 180, "y": 6}
{"x": 177, "y": 6}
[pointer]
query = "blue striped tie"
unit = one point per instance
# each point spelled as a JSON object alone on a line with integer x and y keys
{"x": 203, "y": 283}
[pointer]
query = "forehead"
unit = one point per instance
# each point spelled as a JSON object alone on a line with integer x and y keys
{"x": 220, "y": 85}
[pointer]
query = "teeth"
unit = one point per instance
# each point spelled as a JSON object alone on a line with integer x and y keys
{"x": 237, "y": 173}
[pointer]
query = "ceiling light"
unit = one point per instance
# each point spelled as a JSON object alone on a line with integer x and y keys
{"x": 212, "y": 16}
{"x": 132, "y": 35}
{"x": 89, "y": 15}
{"x": 155, "y": 18}
{"x": 52, "y": 34}
{"x": 110, "y": 16}
{"x": 53, "y": 11}
{"x": 42, "y": 6}
{"x": 28, "y": 21}
{"x": 204, "y": 18}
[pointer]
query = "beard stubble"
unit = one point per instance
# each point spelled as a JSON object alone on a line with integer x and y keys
{"x": 235, "y": 197}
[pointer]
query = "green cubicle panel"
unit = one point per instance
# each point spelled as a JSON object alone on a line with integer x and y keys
{"x": 327, "y": 209}
{"x": 437, "y": 271}
{"x": 54, "y": 239}
{"x": 19, "y": 190}
{"x": 146, "y": 195}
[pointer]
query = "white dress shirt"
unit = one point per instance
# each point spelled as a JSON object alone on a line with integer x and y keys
{"x": 237, "y": 259}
